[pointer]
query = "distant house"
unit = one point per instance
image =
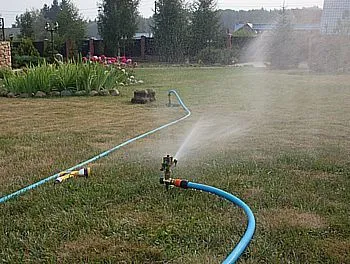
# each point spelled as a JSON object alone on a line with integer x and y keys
{"x": 244, "y": 29}
{"x": 12, "y": 32}
{"x": 259, "y": 28}
{"x": 92, "y": 32}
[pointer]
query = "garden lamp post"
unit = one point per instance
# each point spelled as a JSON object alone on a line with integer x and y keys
{"x": 51, "y": 28}
{"x": 209, "y": 41}
{"x": 2, "y": 26}
{"x": 11, "y": 36}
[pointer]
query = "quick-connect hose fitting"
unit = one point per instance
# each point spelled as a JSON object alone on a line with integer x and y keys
{"x": 180, "y": 183}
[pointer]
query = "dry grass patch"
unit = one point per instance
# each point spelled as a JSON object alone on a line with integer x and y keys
{"x": 339, "y": 249}
{"x": 282, "y": 218}
{"x": 89, "y": 248}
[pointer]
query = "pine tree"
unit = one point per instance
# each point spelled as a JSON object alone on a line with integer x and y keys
{"x": 205, "y": 25}
{"x": 117, "y": 22}
{"x": 170, "y": 30}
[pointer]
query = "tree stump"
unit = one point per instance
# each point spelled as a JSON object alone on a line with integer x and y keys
{"x": 144, "y": 96}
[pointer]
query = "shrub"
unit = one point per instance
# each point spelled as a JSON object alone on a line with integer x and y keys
{"x": 26, "y": 61}
{"x": 217, "y": 56}
{"x": 26, "y": 48}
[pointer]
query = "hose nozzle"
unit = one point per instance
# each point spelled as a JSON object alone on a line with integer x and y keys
{"x": 65, "y": 175}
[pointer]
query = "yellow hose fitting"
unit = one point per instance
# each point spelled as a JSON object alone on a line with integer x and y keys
{"x": 65, "y": 175}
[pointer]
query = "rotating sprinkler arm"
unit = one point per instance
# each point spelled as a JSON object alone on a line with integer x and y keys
{"x": 167, "y": 164}
{"x": 249, "y": 233}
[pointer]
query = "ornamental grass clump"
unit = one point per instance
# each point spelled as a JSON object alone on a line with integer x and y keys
{"x": 73, "y": 76}
{"x": 31, "y": 80}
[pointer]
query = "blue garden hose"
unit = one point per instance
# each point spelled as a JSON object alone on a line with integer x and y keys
{"x": 249, "y": 233}
{"x": 103, "y": 154}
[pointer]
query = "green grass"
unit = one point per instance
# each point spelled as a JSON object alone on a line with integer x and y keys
{"x": 289, "y": 161}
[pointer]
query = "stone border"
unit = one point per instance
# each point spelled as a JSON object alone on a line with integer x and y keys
{"x": 64, "y": 93}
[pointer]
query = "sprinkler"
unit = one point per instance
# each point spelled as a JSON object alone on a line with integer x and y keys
{"x": 167, "y": 164}
{"x": 65, "y": 175}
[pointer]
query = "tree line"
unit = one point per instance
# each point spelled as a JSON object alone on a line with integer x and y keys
{"x": 181, "y": 30}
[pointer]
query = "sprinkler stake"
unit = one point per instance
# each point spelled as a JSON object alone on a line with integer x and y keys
{"x": 167, "y": 164}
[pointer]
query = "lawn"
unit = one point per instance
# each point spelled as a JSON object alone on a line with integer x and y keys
{"x": 278, "y": 140}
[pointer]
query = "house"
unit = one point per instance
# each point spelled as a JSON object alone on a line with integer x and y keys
{"x": 259, "y": 28}
{"x": 92, "y": 32}
{"x": 244, "y": 29}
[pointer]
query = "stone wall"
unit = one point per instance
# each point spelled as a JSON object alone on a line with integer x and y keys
{"x": 5, "y": 54}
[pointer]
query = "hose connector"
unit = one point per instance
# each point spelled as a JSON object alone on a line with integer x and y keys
{"x": 174, "y": 182}
{"x": 180, "y": 183}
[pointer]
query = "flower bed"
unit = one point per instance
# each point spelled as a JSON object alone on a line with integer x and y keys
{"x": 99, "y": 75}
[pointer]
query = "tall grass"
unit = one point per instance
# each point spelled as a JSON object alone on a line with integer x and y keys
{"x": 31, "y": 80}
{"x": 66, "y": 75}
{"x": 73, "y": 76}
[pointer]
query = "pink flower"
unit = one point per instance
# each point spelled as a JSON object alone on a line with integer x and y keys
{"x": 123, "y": 59}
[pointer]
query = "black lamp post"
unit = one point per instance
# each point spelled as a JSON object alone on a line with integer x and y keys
{"x": 2, "y": 26}
{"x": 51, "y": 29}
{"x": 209, "y": 41}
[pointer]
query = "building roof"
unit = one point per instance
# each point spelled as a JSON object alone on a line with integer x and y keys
{"x": 12, "y": 31}
{"x": 265, "y": 27}
{"x": 92, "y": 32}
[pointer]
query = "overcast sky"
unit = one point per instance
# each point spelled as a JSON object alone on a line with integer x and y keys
{"x": 10, "y": 8}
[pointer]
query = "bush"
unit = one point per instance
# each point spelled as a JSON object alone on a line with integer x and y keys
{"x": 26, "y": 48}
{"x": 26, "y": 61}
{"x": 217, "y": 56}
{"x": 330, "y": 54}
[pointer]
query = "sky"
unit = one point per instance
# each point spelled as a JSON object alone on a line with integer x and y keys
{"x": 88, "y": 8}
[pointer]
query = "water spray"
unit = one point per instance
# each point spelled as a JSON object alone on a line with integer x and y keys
{"x": 65, "y": 175}
{"x": 169, "y": 162}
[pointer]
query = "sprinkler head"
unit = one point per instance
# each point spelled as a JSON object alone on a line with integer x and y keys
{"x": 167, "y": 164}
